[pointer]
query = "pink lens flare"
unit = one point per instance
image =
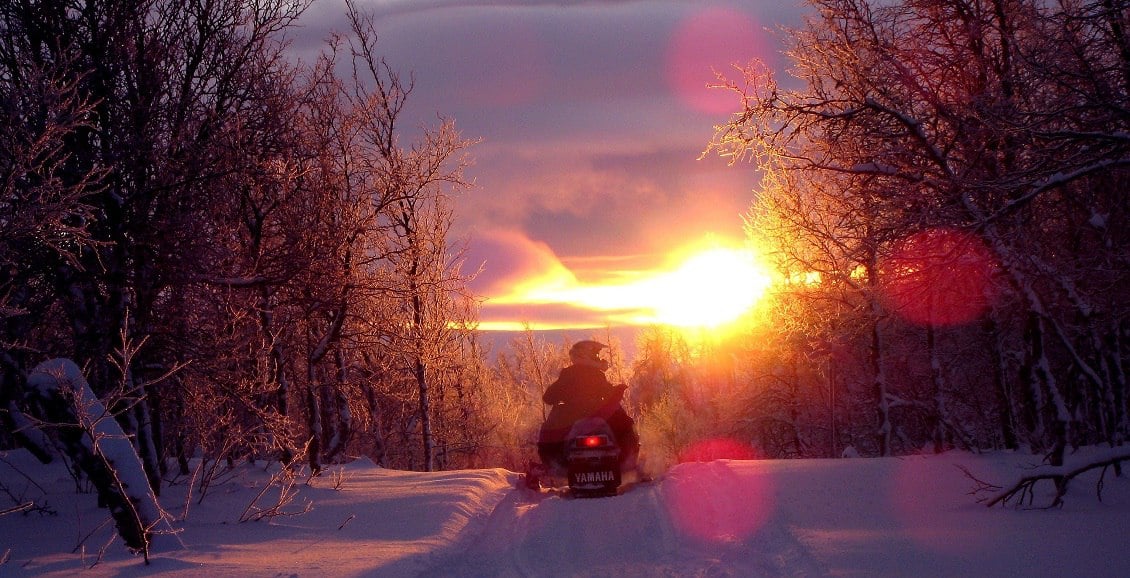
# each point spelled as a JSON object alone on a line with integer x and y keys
{"x": 718, "y": 502}
{"x": 707, "y": 42}
{"x": 940, "y": 277}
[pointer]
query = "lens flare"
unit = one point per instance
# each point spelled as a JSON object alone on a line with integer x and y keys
{"x": 710, "y": 41}
{"x": 716, "y": 449}
{"x": 939, "y": 277}
{"x": 717, "y": 502}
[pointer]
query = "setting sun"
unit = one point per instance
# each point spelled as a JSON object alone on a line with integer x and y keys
{"x": 708, "y": 289}
{"x": 706, "y": 284}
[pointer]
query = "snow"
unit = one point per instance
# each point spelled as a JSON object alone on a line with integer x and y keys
{"x": 909, "y": 516}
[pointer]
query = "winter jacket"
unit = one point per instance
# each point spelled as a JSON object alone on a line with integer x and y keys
{"x": 580, "y": 391}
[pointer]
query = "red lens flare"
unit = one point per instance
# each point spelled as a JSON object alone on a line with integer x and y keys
{"x": 716, "y": 449}
{"x": 711, "y": 41}
{"x": 718, "y": 502}
{"x": 939, "y": 277}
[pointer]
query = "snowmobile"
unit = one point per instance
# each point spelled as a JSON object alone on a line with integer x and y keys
{"x": 591, "y": 462}
{"x": 592, "y": 459}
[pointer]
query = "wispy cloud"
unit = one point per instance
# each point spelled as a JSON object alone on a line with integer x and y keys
{"x": 525, "y": 282}
{"x": 512, "y": 263}
{"x": 396, "y": 7}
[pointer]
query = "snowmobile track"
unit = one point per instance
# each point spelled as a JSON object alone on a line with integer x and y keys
{"x": 652, "y": 528}
{"x": 565, "y": 493}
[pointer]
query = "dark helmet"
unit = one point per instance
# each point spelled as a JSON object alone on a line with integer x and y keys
{"x": 587, "y": 352}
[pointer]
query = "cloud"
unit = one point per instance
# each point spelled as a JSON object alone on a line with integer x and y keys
{"x": 511, "y": 264}
{"x": 524, "y": 282}
{"x": 519, "y": 280}
{"x": 588, "y": 165}
{"x": 610, "y": 200}
{"x": 396, "y": 7}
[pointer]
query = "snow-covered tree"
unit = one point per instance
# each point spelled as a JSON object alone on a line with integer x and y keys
{"x": 989, "y": 131}
{"x": 59, "y": 397}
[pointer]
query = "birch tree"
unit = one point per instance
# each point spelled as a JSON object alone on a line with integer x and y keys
{"x": 389, "y": 277}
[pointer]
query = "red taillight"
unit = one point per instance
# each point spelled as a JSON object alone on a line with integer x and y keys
{"x": 592, "y": 441}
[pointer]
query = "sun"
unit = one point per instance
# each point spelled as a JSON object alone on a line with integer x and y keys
{"x": 709, "y": 288}
{"x": 707, "y": 285}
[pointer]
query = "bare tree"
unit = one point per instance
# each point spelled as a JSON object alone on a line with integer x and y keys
{"x": 258, "y": 224}
{"x": 981, "y": 117}
{"x": 176, "y": 100}
{"x": 44, "y": 210}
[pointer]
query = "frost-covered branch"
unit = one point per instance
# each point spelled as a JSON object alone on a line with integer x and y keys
{"x": 284, "y": 481}
{"x": 1056, "y": 180}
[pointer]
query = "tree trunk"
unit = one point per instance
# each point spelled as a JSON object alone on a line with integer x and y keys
{"x": 941, "y": 414}
{"x": 878, "y": 373}
{"x": 1042, "y": 376}
{"x": 420, "y": 373}
{"x": 376, "y": 426}
{"x": 314, "y": 426}
{"x": 342, "y": 418}
{"x": 1114, "y": 361}
{"x": 1007, "y": 417}
{"x": 142, "y": 419}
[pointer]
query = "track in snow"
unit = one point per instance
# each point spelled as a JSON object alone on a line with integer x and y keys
{"x": 702, "y": 519}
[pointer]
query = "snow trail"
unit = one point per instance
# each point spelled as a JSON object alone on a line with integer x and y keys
{"x": 657, "y": 529}
{"x": 894, "y": 517}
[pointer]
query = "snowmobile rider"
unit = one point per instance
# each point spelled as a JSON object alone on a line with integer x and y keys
{"x": 583, "y": 391}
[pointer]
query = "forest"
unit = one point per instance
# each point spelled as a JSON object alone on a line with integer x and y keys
{"x": 250, "y": 258}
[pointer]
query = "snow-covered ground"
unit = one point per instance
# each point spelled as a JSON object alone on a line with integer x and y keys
{"x": 910, "y": 516}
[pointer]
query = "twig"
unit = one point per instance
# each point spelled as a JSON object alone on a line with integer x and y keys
{"x": 980, "y": 486}
{"x": 284, "y": 480}
{"x": 3, "y": 458}
{"x": 19, "y": 508}
{"x": 81, "y": 545}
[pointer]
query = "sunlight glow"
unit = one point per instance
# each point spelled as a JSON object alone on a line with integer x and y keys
{"x": 710, "y": 288}
{"x": 706, "y": 285}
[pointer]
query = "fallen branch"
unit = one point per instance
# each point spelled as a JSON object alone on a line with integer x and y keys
{"x": 20, "y": 508}
{"x": 1023, "y": 491}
